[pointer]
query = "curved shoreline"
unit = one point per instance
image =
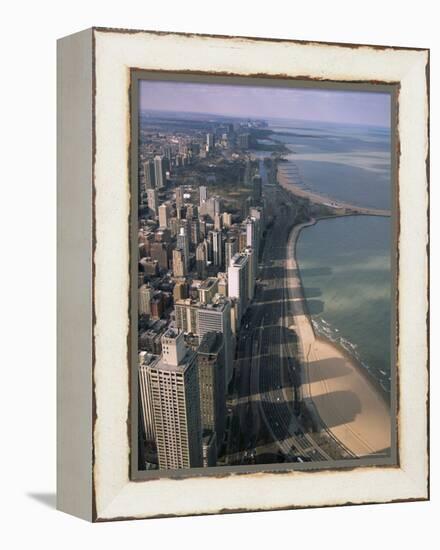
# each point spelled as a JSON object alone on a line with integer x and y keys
{"x": 342, "y": 393}
{"x": 368, "y": 375}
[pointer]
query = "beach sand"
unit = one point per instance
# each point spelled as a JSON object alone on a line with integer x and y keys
{"x": 334, "y": 386}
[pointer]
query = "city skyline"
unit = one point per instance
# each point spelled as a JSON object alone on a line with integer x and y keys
{"x": 232, "y": 365}
{"x": 263, "y": 102}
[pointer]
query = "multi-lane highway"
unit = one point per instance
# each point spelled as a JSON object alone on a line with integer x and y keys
{"x": 265, "y": 405}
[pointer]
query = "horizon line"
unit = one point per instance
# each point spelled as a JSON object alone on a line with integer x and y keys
{"x": 256, "y": 117}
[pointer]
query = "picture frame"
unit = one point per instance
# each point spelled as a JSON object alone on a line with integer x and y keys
{"x": 97, "y": 69}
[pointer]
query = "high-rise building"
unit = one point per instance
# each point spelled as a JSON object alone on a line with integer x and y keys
{"x": 152, "y": 201}
{"x": 159, "y": 252}
{"x": 227, "y": 219}
{"x": 185, "y": 312}
{"x": 159, "y": 172}
{"x": 257, "y": 186}
{"x": 222, "y": 283}
{"x": 174, "y": 387}
{"x": 216, "y": 317}
{"x": 207, "y": 290}
{"x": 217, "y": 248}
{"x": 144, "y": 299}
{"x": 203, "y": 194}
{"x": 249, "y": 251}
{"x": 209, "y": 142}
{"x": 231, "y": 248}
{"x": 149, "y": 175}
{"x": 179, "y": 268}
{"x": 183, "y": 244}
{"x": 180, "y": 291}
{"x": 164, "y": 215}
{"x": 211, "y": 368}
{"x": 201, "y": 259}
{"x": 243, "y": 141}
{"x": 209, "y": 448}
{"x": 195, "y": 232}
{"x": 146, "y": 405}
{"x": 238, "y": 281}
{"x": 218, "y": 222}
{"x": 179, "y": 198}
{"x": 247, "y": 178}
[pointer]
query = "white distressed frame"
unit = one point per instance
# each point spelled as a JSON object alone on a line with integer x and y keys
{"x": 115, "y": 496}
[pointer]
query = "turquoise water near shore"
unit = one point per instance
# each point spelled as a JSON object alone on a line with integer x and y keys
{"x": 346, "y": 274}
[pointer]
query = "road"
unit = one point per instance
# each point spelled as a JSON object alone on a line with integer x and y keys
{"x": 267, "y": 378}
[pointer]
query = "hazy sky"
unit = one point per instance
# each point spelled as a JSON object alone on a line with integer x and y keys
{"x": 256, "y": 101}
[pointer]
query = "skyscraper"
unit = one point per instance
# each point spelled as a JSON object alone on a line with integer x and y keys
{"x": 209, "y": 142}
{"x": 145, "y": 395}
{"x": 216, "y": 317}
{"x": 152, "y": 201}
{"x": 159, "y": 171}
{"x": 238, "y": 281}
{"x": 183, "y": 244}
{"x": 179, "y": 198}
{"x": 203, "y": 194}
{"x": 175, "y": 402}
{"x": 150, "y": 179}
{"x": 217, "y": 248}
{"x": 179, "y": 268}
{"x": 144, "y": 299}
{"x": 201, "y": 259}
{"x": 211, "y": 368}
{"x": 164, "y": 216}
{"x": 231, "y": 248}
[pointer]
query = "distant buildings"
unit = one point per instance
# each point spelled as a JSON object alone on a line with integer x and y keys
{"x": 243, "y": 141}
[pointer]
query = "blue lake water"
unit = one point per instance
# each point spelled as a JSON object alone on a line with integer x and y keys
{"x": 350, "y": 163}
{"x": 345, "y": 269}
{"x": 345, "y": 262}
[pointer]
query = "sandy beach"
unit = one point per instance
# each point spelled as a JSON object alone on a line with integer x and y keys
{"x": 334, "y": 386}
{"x": 286, "y": 183}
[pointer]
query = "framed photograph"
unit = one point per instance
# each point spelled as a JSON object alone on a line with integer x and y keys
{"x": 242, "y": 274}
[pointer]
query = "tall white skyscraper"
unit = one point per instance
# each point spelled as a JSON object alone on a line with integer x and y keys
{"x": 238, "y": 281}
{"x": 209, "y": 142}
{"x": 174, "y": 388}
